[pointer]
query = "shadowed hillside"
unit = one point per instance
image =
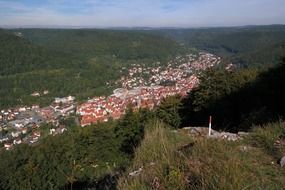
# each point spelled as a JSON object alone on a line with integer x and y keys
{"x": 237, "y": 100}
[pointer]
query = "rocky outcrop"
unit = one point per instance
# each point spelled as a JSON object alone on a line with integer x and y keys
{"x": 282, "y": 162}
{"x": 204, "y": 132}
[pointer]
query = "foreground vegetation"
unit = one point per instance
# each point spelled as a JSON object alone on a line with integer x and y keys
{"x": 104, "y": 155}
{"x": 79, "y": 158}
{"x": 176, "y": 161}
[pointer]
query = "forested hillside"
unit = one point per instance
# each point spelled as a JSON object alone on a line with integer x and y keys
{"x": 19, "y": 56}
{"x": 77, "y": 62}
{"x": 121, "y": 44}
{"x": 247, "y": 46}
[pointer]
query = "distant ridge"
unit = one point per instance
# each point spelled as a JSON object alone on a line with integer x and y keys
{"x": 132, "y": 27}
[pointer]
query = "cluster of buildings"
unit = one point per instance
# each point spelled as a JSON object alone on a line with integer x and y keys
{"x": 103, "y": 108}
{"x": 22, "y": 124}
{"x": 142, "y": 87}
{"x": 100, "y": 109}
{"x": 147, "y": 87}
{"x": 175, "y": 70}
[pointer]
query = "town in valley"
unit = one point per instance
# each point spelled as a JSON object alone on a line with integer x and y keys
{"x": 141, "y": 87}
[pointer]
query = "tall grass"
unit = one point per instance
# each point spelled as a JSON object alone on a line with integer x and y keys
{"x": 265, "y": 137}
{"x": 209, "y": 164}
{"x": 159, "y": 159}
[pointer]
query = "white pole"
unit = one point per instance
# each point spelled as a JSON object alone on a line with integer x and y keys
{"x": 210, "y": 125}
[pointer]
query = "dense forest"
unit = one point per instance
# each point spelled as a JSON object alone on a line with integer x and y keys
{"x": 125, "y": 45}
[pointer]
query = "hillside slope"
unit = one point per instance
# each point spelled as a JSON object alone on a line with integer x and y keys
{"x": 18, "y": 55}
{"x": 247, "y": 46}
{"x": 168, "y": 160}
{"x": 94, "y": 42}
{"x": 76, "y": 62}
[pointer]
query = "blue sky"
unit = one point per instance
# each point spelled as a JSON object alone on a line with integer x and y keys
{"x": 151, "y": 13}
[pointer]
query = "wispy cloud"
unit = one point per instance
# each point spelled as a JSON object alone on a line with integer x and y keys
{"x": 102, "y": 13}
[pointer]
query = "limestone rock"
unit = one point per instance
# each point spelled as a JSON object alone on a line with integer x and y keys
{"x": 136, "y": 172}
{"x": 282, "y": 162}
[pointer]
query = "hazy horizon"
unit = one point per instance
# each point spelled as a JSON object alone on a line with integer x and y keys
{"x": 127, "y": 27}
{"x": 139, "y": 13}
